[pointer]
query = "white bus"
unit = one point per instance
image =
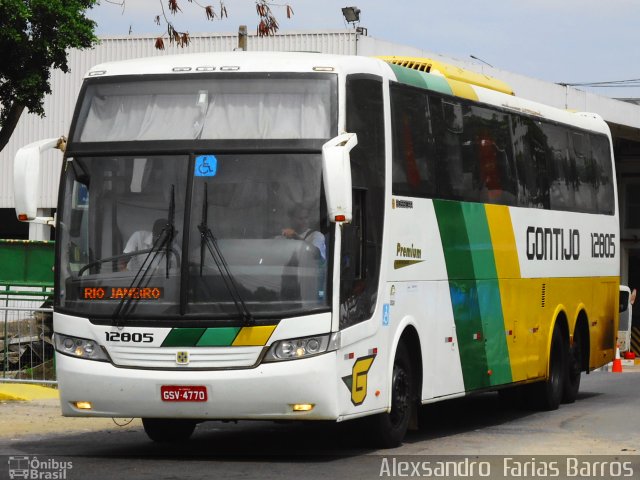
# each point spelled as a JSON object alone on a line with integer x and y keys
{"x": 291, "y": 236}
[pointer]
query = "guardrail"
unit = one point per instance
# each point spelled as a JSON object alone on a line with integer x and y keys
{"x": 26, "y": 348}
{"x": 26, "y": 284}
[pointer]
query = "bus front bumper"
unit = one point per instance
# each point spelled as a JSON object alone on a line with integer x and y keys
{"x": 267, "y": 392}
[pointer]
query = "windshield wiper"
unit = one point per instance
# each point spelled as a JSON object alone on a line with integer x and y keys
{"x": 164, "y": 239}
{"x": 208, "y": 239}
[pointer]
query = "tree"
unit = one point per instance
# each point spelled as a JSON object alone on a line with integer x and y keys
{"x": 34, "y": 38}
{"x": 267, "y": 22}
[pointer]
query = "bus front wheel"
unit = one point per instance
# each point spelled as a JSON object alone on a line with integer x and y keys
{"x": 167, "y": 430}
{"x": 389, "y": 429}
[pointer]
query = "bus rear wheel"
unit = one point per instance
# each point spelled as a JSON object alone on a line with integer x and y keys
{"x": 574, "y": 369}
{"x": 547, "y": 395}
{"x": 388, "y": 429}
{"x": 167, "y": 430}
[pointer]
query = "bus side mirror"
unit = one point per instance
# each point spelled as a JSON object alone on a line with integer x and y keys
{"x": 26, "y": 177}
{"x": 336, "y": 171}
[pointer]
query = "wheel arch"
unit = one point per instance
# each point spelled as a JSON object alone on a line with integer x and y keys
{"x": 408, "y": 333}
{"x": 560, "y": 319}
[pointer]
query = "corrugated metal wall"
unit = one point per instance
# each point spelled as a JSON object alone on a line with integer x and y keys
{"x": 59, "y": 106}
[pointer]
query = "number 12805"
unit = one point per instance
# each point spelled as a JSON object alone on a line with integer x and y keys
{"x": 126, "y": 337}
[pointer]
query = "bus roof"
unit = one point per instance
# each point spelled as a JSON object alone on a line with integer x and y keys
{"x": 242, "y": 62}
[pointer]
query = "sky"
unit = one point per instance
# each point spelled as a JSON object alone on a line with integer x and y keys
{"x": 561, "y": 41}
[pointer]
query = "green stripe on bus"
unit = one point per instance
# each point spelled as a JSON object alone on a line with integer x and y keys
{"x": 421, "y": 80}
{"x": 464, "y": 293}
{"x": 490, "y": 304}
{"x": 183, "y": 337}
{"x": 495, "y": 345}
{"x": 480, "y": 247}
{"x": 218, "y": 337}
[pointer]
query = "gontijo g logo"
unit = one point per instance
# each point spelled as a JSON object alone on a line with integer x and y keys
{"x": 357, "y": 381}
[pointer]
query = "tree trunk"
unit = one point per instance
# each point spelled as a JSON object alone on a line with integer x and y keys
{"x": 15, "y": 111}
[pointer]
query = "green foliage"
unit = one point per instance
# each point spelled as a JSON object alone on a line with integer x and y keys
{"x": 34, "y": 38}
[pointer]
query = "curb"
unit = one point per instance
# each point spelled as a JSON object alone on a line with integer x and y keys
{"x": 26, "y": 393}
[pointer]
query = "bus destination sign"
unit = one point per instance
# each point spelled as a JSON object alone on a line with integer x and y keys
{"x": 118, "y": 293}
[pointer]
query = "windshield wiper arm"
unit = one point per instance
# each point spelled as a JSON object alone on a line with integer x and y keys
{"x": 165, "y": 238}
{"x": 208, "y": 239}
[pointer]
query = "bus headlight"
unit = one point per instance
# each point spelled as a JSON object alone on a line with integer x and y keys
{"x": 295, "y": 348}
{"x": 80, "y": 347}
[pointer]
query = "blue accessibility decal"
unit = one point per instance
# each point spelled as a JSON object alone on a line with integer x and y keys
{"x": 385, "y": 315}
{"x": 206, "y": 166}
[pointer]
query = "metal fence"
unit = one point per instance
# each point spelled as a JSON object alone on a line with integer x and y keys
{"x": 26, "y": 348}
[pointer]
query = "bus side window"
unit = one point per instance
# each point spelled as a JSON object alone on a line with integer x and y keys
{"x": 603, "y": 181}
{"x": 413, "y": 161}
{"x": 359, "y": 283}
{"x": 531, "y": 153}
{"x": 562, "y": 179}
{"x": 445, "y": 147}
{"x": 584, "y": 172}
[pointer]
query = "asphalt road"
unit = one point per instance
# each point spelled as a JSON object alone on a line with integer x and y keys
{"x": 604, "y": 421}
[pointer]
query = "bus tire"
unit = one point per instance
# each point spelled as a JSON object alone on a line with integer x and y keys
{"x": 547, "y": 395}
{"x": 168, "y": 430}
{"x": 574, "y": 369}
{"x": 388, "y": 429}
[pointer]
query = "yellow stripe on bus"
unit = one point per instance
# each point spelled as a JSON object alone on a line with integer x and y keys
{"x": 503, "y": 241}
{"x": 463, "y": 90}
{"x": 253, "y": 336}
{"x": 508, "y": 271}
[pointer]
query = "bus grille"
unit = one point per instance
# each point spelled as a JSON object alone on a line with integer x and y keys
{"x": 198, "y": 357}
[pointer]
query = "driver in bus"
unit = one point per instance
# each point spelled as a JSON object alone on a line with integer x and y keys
{"x": 301, "y": 230}
{"x": 143, "y": 240}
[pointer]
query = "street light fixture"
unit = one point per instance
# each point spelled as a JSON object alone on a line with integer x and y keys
{"x": 351, "y": 14}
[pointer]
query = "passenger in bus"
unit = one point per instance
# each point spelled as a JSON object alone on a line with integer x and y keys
{"x": 301, "y": 230}
{"x": 141, "y": 240}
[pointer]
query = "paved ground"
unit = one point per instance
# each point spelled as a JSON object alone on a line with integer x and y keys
{"x": 27, "y": 410}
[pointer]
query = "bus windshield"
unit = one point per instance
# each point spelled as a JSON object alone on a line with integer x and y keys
{"x": 207, "y": 107}
{"x": 194, "y": 236}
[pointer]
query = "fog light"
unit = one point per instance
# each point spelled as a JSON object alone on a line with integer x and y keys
{"x": 83, "y": 405}
{"x": 302, "y": 407}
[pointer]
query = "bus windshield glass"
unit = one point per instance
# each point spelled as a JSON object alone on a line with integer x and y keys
{"x": 207, "y": 107}
{"x": 193, "y": 236}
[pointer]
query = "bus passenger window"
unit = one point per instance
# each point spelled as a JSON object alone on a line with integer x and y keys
{"x": 413, "y": 161}
{"x": 603, "y": 175}
{"x": 562, "y": 179}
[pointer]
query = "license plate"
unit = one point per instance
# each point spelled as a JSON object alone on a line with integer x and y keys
{"x": 183, "y": 393}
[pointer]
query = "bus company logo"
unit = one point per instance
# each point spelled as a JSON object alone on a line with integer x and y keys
{"x": 33, "y": 468}
{"x": 401, "y": 203}
{"x": 182, "y": 358}
{"x": 410, "y": 256}
{"x": 357, "y": 381}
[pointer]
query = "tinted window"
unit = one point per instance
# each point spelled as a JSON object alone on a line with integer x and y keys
{"x": 584, "y": 196}
{"x": 602, "y": 174}
{"x": 531, "y": 152}
{"x": 454, "y": 149}
{"x": 413, "y": 156}
{"x": 488, "y": 155}
{"x": 360, "y": 264}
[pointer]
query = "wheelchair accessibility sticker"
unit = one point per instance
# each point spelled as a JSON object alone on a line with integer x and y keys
{"x": 206, "y": 166}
